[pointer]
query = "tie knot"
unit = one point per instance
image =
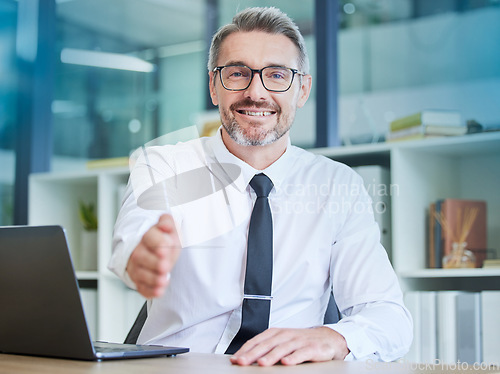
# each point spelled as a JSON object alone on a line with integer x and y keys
{"x": 261, "y": 184}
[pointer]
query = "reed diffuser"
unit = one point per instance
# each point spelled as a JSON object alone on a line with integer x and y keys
{"x": 459, "y": 257}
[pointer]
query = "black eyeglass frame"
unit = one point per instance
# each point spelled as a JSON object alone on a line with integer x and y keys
{"x": 254, "y": 71}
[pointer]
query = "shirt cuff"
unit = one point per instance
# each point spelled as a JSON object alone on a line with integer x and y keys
{"x": 128, "y": 281}
{"x": 360, "y": 346}
{"x": 119, "y": 260}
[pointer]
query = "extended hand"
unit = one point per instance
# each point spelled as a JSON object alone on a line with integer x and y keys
{"x": 154, "y": 257}
{"x": 292, "y": 347}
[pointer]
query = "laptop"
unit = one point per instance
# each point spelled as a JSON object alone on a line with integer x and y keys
{"x": 41, "y": 311}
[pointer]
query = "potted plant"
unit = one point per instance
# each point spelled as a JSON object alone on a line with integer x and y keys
{"x": 88, "y": 239}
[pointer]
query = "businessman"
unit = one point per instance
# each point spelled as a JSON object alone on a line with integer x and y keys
{"x": 254, "y": 234}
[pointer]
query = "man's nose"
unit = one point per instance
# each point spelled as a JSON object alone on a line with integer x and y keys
{"x": 256, "y": 90}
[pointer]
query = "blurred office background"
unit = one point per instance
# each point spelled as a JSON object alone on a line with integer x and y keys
{"x": 393, "y": 57}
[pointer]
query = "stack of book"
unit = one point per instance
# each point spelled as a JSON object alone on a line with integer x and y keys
{"x": 491, "y": 263}
{"x": 425, "y": 124}
{"x": 454, "y": 213}
{"x": 454, "y": 326}
{"x": 108, "y": 163}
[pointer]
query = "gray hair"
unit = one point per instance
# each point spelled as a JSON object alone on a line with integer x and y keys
{"x": 267, "y": 19}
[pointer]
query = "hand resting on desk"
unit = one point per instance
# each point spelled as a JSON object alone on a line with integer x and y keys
{"x": 292, "y": 347}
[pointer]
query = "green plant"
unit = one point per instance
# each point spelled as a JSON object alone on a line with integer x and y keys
{"x": 87, "y": 215}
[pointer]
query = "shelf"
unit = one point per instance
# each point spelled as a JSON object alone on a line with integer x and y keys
{"x": 466, "y": 145}
{"x": 77, "y": 177}
{"x": 479, "y": 143}
{"x": 86, "y": 275}
{"x": 353, "y": 150}
{"x": 456, "y": 147}
{"x": 451, "y": 273}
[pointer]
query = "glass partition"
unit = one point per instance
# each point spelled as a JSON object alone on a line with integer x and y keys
{"x": 8, "y": 107}
{"x": 127, "y": 72}
{"x": 107, "y": 111}
{"x": 398, "y": 57}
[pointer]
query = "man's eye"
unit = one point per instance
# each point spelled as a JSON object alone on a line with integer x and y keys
{"x": 276, "y": 75}
{"x": 237, "y": 73}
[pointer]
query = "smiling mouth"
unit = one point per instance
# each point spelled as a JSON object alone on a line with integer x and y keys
{"x": 255, "y": 113}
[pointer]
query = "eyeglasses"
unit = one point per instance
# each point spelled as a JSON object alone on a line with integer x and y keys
{"x": 273, "y": 78}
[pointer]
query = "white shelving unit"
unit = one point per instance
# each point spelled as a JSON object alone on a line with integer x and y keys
{"x": 53, "y": 200}
{"x": 421, "y": 172}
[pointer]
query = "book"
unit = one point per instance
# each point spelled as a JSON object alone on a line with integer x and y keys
{"x": 422, "y": 130}
{"x": 490, "y": 305}
{"x": 438, "y": 245}
{"x": 108, "y": 163}
{"x": 454, "y": 326}
{"x": 452, "y": 210}
{"x": 412, "y": 137}
{"x": 428, "y": 326}
{"x": 428, "y": 117}
{"x": 431, "y": 258}
{"x": 447, "y": 326}
{"x": 468, "y": 307}
{"x": 491, "y": 263}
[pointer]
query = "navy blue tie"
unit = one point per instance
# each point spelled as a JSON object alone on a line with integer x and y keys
{"x": 259, "y": 269}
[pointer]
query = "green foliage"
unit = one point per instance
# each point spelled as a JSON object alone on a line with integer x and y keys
{"x": 87, "y": 215}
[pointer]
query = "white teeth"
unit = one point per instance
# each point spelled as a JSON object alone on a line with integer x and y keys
{"x": 248, "y": 113}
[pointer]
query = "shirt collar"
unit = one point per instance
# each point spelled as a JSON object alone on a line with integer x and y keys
{"x": 277, "y": 171}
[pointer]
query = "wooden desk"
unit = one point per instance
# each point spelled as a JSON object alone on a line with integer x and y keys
{"x": 197, "y": 363}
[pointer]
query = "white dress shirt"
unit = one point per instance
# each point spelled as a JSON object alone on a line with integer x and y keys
{"x": 324, "y": 238}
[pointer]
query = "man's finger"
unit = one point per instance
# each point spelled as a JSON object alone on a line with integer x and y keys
{"x": 151, "y": 292}
{"x": 147, "y": 278}
{"x": 162, "y": 239}
{"x": 146, "y": 259}
{"x": 278, "y": 352}
{"x": 166, "y": 223}
{"x": 256, "y": 340}
{"x": 159, "y": 242}
{"x": 298, "y": 356}
{"x": 260, "y": 346}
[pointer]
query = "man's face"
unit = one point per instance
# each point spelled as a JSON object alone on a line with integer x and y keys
{"x": 256, "y": 116}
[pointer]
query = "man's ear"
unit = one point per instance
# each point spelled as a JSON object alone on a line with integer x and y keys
{"x": 211, "y": 87}
{"x": 305, "y": 90}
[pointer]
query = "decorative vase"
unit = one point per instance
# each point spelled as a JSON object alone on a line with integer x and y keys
{"x": 88, "y": 250}
{"x": 460, "y": 257}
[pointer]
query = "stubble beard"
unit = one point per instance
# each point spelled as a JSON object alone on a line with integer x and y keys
{"x": 255, "y": 135}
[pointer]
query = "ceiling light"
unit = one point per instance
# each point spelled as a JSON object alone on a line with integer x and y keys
{"x": 105, "y": 60}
